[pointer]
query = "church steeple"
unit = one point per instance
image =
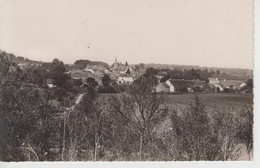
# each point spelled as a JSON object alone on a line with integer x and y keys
{"x": 116, "y": 64}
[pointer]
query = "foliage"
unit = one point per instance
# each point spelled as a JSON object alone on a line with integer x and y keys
{"x": 92, "y": 82}
{"x": 108, "y": 89}
{"x": 145, "y": 83}
{"x": 83, "y": 63}
{"x": 248, "y": 88}
{"x": 23, "y": 112}
{"x": 57, "y": 73}
{"x": 141, "y": 111}
{"x": 203, "y": 133}
{"x": 187, "y": 74}
{"x": 245, "y": 133}
{"x": 193, "y": 133}
{"x": 106, "y": 80}
{"x": 36, "y": 75}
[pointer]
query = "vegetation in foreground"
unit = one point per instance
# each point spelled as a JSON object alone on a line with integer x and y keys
{"x": 135, "y": 125}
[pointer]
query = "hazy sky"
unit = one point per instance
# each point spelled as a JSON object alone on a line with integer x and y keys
{"x": 190, "y": 32}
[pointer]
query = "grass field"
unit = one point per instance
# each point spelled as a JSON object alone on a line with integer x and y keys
{"x": 218, "y": 99}
{"x": 221, "y": 99}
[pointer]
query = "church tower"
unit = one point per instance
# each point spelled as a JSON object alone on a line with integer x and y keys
{"x": 116, "y": 64}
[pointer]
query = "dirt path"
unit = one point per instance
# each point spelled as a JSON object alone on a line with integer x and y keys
{"x": 78, "y": 100}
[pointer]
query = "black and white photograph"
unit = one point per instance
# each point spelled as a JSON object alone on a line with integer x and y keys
{"x": 126, "y": 80}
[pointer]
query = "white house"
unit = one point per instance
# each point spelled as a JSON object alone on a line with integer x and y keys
{"x": 172, "y": 89}
{"x": 125, "y": 79}
{"x": 219, "y": 86}
{"x": 213, "y": 80}
{"x": 165, "y": 87}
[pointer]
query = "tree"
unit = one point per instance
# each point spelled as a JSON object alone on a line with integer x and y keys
{"x": 146, "y": 83}
{"x": 165, "y": 78}
{"x": 57, "y": 73}
{"x": 141, "y": 110}
{"x": 23, "y": 113}
{"x": 194, "y": 133}
{"x": 141, "y": 66}
{"x": 82, "y": 63}
{"x": 249, "y": 85}
{"x": 218, "y": 72}
{"x": 92, "y": 82}
{"x": 126, "y": 64}
{"x": 245, "y": 133}
{"x": 106, "y": 80}
{"x": 36, "y": 75}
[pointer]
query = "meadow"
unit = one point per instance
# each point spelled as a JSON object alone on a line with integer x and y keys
{"x": 218, "y": 99}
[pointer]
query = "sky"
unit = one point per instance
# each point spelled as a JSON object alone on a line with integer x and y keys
{"x": 213, "y": 33}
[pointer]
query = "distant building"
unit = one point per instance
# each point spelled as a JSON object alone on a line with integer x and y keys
{"x": 232, "y": 84}
{"x": 180, "y": 86}
{"x": 213, "y": 80}
{"x": 125, "y": 79}
{"x": 162, "y": 87}
{"x": 172, "y": 88}
{"x": 165, "y": 87}
{"x": 219, "y": 86}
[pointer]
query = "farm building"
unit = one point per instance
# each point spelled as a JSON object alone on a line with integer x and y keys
{"x": 179, "y": 86}
{"x": 219, "y": 86}
{"x": 165, "y": 87}
{"x": 232, "y": 84}
{"x": 190, "y": 86}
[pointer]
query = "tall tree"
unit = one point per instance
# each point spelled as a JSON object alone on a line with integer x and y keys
{"x": 57, "y": 73}
{"x": 141, "y": 109}
{"x": 106, "y": 80}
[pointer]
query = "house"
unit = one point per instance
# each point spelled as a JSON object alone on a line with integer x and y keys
{"x": 124, "y": 78}
{"x": 162, "y": 87}
{"x": 190, "y": 90}
{"x": 190, "y": 86}
{"x": 232, "y": 84}
{"x": 219, "y": 86}
{"x": 50, "y": 83}
{"x": 172, "y": 89}
{"x": 165, "y": 87}
{"x": 213, "y": 80}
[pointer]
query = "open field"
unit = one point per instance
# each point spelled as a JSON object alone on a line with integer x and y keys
{"x": 221, "y": 99}
{"x": 217, "y": 99}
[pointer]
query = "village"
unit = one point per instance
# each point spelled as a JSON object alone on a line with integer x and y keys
{"x": 125, "y": 74}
